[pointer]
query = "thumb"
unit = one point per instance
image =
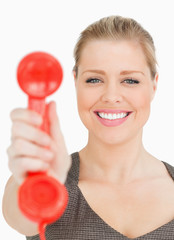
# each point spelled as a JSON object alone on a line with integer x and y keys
{"x": 62, "y": 160}
{"x": 55, "y": 131}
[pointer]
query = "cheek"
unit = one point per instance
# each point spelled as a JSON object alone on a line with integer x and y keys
{"x": 142, "y": 104}
{"x": 84, "y": 103}
{"x": 86, "y": 99}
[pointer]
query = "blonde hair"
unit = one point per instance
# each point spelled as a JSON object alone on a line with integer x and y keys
{"x": 118, "y": 28}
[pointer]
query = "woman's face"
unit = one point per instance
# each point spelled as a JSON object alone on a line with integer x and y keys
{"x": 114, "y": 90}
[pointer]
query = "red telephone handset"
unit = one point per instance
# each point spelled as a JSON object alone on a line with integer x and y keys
{"x": 41, "y": 198}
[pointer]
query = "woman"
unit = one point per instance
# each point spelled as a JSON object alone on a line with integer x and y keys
{"x": 117, "y": 190}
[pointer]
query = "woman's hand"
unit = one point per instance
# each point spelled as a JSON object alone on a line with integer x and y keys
{"x": 33, "y": 150}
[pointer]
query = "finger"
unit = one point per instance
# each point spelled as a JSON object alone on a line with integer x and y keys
{"x": 30, "y": 133}
{"x": 21, "y": 147}
{"x": 20, "y": 167}
{"x": 26, "y": 115}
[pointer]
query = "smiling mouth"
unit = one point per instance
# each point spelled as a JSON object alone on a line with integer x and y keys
{"x": 112, "y": 116}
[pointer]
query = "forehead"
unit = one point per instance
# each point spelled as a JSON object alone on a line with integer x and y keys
{"x": 109, "y": 54}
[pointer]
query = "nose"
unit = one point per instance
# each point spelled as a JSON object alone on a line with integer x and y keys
{"x": 112, "y": 94}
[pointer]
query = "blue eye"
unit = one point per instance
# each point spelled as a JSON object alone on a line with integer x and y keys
{"x": 93, "y": 80}
{"x": 131, "y": 81}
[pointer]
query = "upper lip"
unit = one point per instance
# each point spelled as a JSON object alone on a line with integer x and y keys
{"x": 111, "y": 111}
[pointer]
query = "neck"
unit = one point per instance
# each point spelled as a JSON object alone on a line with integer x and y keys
{"x": 122, "y": 162}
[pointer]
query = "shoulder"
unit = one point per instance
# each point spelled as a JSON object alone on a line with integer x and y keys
{"x": 170, "y": 169}
{"x": 73, "y": 174}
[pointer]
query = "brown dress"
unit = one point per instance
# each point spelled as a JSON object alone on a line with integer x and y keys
{"x": 80, "y": 222}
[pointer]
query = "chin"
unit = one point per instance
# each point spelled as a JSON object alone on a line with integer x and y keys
{"x": 113, "y": 142}
{"x": 114, "y": 139}
{"x": 110, "y": 139}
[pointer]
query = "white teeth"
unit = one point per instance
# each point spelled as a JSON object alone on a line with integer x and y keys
{"x": 111, "y": 116}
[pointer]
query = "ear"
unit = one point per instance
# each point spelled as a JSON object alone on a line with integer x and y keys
{"x": 155, "y": 84}
{"x": 75, "y": 76}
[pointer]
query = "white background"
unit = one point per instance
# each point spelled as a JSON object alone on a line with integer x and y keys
{"x": 54, "y": 26}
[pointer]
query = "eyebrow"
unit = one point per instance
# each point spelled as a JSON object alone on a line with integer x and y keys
{"x": 125, "y": 72}
{"x": 94, "y": 71}
{"x": 131, "y": 71}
